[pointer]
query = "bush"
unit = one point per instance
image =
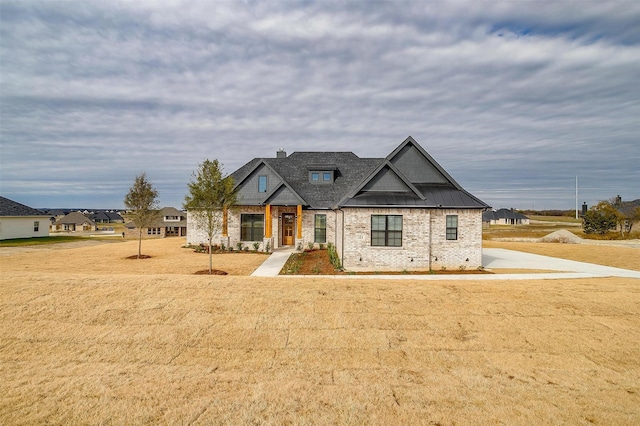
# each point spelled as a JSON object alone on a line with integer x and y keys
{"x": 256, "y": 246}
{"x": 333, "y": 256}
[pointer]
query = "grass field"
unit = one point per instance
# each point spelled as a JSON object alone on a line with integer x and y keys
{"x": 88, "y": 337}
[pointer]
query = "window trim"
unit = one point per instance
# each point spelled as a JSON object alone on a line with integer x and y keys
{"x": 317, "y": 177}
{"x": 36, "y": 226}
{"x": 316, "y": 229}
{"x": 451, "y": 230}
{"x": 386, "y": 231}
{"x": 266, "y": 183}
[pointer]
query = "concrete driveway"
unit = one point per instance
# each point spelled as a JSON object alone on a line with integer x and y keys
{"x": 511, "y": 259}
{"x": 491, "y": 259}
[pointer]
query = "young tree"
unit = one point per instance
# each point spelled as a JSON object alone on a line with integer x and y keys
{"x": 600, "y": 219}
{"x": 210, "y": 193}
{"x": 142, "y": 200}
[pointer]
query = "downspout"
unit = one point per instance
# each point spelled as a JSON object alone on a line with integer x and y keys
{"x": 430, "y": 243}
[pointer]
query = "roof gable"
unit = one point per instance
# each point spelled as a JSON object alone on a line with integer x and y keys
{"x": 418, "y": 166}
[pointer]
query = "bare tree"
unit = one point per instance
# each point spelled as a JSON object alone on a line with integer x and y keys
{"x": 210, "y": 194}
{"x": 142, "y": 200}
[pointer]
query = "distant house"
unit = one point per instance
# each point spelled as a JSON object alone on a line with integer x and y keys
{"x": 106, "y": 217}
{"x": 20, "y": 221}
{"x": 504, "y": 217}
{"x": 403, "y": 211}
{"x": 171, "y": 222}
{"x": 74, "y": 222}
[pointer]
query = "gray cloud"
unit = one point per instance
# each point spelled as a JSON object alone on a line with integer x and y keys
{"x": 513, "y": 99}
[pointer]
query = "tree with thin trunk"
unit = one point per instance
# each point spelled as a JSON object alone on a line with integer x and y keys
{"x": 142, "y": 201}
{"x": 210, "y": 194}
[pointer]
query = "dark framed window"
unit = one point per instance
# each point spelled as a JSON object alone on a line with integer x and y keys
{"x": 36, "y": 226}
{"x": 386, "y": 230}
{"x": 262, "y": 183}
{"x": 251, "y": 227}
{"x": 452, "y": 227}
{"x": 321, "y": 176}
{"x": 320, "y": 228}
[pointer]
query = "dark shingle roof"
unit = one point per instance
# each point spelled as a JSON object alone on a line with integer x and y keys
{"x": 502, "y": 214}
{"x": 12, "y": 208}
{"x": 353, "y": 175}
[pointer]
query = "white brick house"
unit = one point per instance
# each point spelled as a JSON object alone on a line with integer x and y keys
{"x": 402, "y": 212}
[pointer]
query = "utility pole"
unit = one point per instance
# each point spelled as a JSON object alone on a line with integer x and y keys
{"x": 576, "y": 197}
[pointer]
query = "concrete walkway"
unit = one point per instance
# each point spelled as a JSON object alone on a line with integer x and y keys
{"x": 491, "y": 258}
{"x": 274, "y": 263}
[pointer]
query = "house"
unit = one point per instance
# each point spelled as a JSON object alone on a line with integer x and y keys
{"x": 20, "y": 221}
{"x": 400, "y": 212}
{"x": 104, "y": 216}
{"x": 75, "y": 222}
{"x": 171, "y": 222}
{"x": 504, "y": 217}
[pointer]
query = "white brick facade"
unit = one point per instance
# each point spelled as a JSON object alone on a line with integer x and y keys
{"x": 424, "y": 243}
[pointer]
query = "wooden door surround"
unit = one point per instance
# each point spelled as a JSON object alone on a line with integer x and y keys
{"x": 288, "y": 225}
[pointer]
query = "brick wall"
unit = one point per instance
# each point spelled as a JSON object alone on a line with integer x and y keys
{"x": 421, "y": 228}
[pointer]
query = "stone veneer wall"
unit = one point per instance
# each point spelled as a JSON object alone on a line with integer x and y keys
{"x": 421, "y": 229}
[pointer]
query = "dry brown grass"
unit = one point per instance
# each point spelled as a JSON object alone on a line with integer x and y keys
{"x": 121, "y": 348}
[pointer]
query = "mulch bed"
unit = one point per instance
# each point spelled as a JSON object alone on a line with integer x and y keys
{"x": 142, "y": 256}
{"x": 316, "y": 262}
{"x": 213, "y": 272}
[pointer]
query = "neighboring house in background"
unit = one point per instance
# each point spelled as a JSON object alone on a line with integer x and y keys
{"x": 400, "y": 212}
{"x": 106, "y": 217}
{"x": 171, "y": 222}
{"x": 504, "y": 217}
{"x": 20, "y": 221}
{"x": 75, "y": 222}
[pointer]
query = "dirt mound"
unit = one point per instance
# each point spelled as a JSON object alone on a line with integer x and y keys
{"x": 561, "y": 236}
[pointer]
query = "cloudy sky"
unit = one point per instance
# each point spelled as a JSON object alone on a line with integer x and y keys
{"x": 514, "y": 99}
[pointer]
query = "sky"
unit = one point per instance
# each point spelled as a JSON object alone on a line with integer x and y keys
{"x": 514, "y": 99}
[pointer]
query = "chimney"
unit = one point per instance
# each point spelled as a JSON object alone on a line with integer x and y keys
{"x": 281, "y": 153}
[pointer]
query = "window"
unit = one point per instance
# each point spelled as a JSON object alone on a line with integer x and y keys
{"x": 386, "y": 231}
{"x": 320, "y": 228}
{"x": 36, "y": 226}
{"x": 153, "y": 231}
{"x": 321, "y": 176}
{"x": 251, "y": 227}
{"x": 452, "y": 227}
{"x": 262, "y": 183}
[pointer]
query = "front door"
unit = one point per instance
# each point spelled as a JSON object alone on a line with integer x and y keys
{"x": 288, "y": 220}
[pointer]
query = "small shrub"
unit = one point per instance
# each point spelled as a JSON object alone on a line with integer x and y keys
{"x": 239, "y": 246}
{"x": 222, "y": 247}
{"x": 256, "y": 246}
{"x": 333, "y": 256}
{"x": 267, "y": 248}
{"x": 444, "y": 268}
{"x": 310, "y": 245}
{"x": 462, "y": 267}
{"x": 323, "y": 246}
{"x": 246, "y": 248}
